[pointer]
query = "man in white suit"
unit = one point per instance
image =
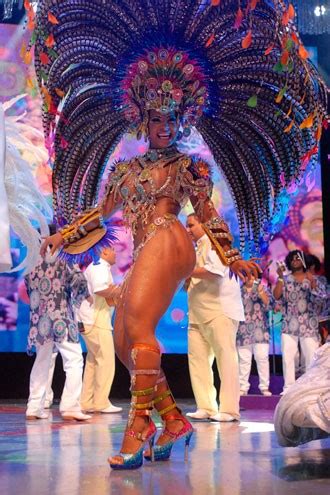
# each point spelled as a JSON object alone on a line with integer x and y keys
{"x": 215, "y": 309}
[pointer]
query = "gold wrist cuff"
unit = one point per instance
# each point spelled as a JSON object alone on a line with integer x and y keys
{"x": 75, "y": 231}
{"x": 217, "y": 229}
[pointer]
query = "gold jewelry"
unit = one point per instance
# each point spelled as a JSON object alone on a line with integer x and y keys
{"x": 76, "y": 238}
{"x": 212, "y": 228}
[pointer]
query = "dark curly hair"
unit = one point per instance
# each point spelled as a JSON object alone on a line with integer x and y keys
{"x": 290, "y": 256}
{"x": 312, "y": 260}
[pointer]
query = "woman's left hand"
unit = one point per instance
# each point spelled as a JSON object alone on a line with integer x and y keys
{"x": 245, "y": 270}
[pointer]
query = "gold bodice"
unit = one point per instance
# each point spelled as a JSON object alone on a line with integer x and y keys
{"x": 140, "y": 183}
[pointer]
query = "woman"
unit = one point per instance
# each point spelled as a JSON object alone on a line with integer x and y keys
{"x": 164, "y": 257}
{"x": 109, "y": 76}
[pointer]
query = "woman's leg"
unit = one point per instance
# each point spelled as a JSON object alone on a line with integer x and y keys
{"x": 154, "y": 279}
{"x": 163, "y": 399}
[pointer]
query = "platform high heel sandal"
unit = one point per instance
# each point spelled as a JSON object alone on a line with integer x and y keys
{"x": 163, "y": 452}
{"x": 134, "y": 461}
{"x": 141, "y": 354}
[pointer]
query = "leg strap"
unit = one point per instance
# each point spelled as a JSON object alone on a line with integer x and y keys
{"x": 143, "y": 347}
{"x": 163, "y": 396}
{"x": 141, "y": 393}
{"x": 167, "y": 409}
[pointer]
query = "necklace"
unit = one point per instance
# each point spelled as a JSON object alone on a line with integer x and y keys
{"x": 155, "y": 154}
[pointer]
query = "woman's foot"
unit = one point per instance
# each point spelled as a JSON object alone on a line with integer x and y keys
{"x": 173, "y": 426}
{"x": 176, "y": 427}
{"x": 135, "y": 436}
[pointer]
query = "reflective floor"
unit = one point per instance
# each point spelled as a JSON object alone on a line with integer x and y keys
{"x": 59, "y": 458}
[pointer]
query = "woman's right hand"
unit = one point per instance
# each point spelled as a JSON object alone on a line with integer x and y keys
{"x": 53, "y": 241}
{"x": 280, "y": 270}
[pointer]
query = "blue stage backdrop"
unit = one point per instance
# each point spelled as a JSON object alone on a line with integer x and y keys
{"x": 302, "y": 227}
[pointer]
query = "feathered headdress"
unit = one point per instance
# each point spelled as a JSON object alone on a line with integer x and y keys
{"x": 244, "y": 80}
{"x": 165, "y": 80}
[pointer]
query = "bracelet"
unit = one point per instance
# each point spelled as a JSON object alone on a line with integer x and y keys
{"x": 233, "y": 259}
{"x": 74, "y": 232}
{"x": 280, "y": 279}
{"x": 216, "y": 229}
{"x": 217, "y": 223}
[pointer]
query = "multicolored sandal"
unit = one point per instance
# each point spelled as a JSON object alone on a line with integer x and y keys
{"x": 134, "y": 461}
{"x": 141, "y": 405}
{"x": 163, "y": 452}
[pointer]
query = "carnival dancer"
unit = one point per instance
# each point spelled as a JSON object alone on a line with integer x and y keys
{"x": 253, "y": 336}
{"x": 157, "y": 69}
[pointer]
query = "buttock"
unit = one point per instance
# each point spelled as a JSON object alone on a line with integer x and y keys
{"x": 168, "y": 231}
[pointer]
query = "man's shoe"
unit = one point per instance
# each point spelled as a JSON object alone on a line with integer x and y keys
{"x": 223, "y": 417}
{"x": 35, "y": 416}
{"x": 76, "y": 416}
{"x": 111, "y": 410}
{"x": 266, "y": 393}
{"x": 198, "y": 415}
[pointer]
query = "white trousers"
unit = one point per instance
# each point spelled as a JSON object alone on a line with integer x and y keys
{"x": 49, "y": 391}
{"x": 261, "y": 353}
{"x": 72, "y": 364}
{"x": 289, "y": 349}
{"x": 216, "y": 338}
{"x": 99, "y": 369}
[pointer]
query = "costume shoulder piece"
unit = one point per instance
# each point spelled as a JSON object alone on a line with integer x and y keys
{"x": 236, "y": 70}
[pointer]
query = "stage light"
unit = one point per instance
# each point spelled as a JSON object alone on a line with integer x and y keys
{"x": 320, "y": 10}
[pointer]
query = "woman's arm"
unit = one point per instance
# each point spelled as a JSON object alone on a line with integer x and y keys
{"x": 278, "y": 289}
{"x": 263, "y": 294}
{"x": 215, "y": 227}
{"x": 90, "y": 223}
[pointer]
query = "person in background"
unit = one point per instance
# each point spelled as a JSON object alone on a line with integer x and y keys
{"x": 53, "y": 287}
{"x": 49, "y": 398}
{"x": 97, "y": 334}
{"x": 322, "y": 305}
{"x": 253, "y": 336}
{"x": 297, "y": 292}
{"x": 215, "y": 308}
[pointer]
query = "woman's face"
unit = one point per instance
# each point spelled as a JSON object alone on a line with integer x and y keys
{"x": 296, "y": 263}
{"x": 163, "y": 129}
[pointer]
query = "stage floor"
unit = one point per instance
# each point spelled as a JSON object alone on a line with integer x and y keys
{"x": 70, "y": 458}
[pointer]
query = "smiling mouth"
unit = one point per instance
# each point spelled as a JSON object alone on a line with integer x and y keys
{"x": 164, "y": 136}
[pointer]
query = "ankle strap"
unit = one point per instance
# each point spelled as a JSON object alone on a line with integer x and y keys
{"x": 145, "y": 405}
{"x": 167, "y": 409}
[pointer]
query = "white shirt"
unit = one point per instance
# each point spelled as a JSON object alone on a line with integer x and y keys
{"x": 98, "y": 278}
{"x": 220, "y": 295}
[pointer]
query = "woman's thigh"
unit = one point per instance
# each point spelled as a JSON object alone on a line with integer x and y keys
{"x": 163, "y": 263}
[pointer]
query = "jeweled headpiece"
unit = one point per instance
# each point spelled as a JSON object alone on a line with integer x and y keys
{"x": 102, "y": 65}
{"x": 165, "y": 80}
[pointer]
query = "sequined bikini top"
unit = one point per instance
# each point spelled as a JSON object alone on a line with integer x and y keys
{"x": 139, "y": 183}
